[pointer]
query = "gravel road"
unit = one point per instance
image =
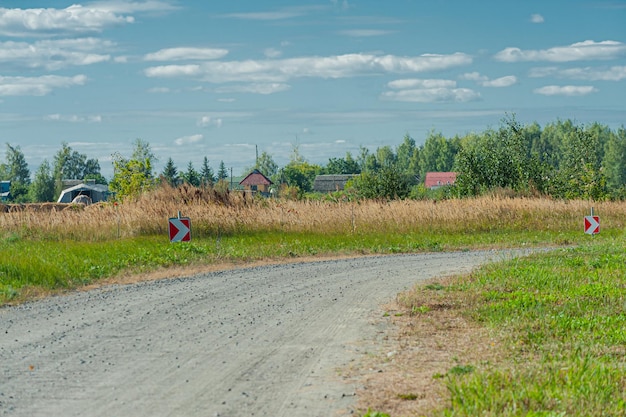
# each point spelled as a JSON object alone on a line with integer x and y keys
{"x": 265, "y": 341}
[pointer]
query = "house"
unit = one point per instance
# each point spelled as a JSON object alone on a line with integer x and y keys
{"x": 331, "y": 183}
{"x": 84, "y": 192}
{"x": 5, "y": 190}
{"x": 439, "y": 179}
{"x": 256, "y": 182}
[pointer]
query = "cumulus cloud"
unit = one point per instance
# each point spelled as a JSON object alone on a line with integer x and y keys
{"x": 484, "y": 81}
{"x": 186, "y": 53}
{"x": 37, "y": 86}
{"x": 615, "y": 73}
{"x": 282, "y": 70}
{"x": 55, "y": 54}
{"x": 428, "y": 91}
{"x": 565, "y": 90}
{"x": 188, "y": 140}
{"x": 536, "y": 18}
{"x": 75, "y": 18}
{"x": 581, "y": 51}
{"x": 208, "y": 121}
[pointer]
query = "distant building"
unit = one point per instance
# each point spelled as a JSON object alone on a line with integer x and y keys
{"x": 5, "y": 190}
{"x": 256, "y": 182}
{"x": 439, "y": 179}
{"x": 331, "y": 183}
{"x": 85, "y": 192}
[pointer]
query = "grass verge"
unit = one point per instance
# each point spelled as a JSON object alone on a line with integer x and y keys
{"x": 539, "y": 336}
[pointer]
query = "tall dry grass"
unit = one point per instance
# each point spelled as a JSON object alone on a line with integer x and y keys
{"x": 213, "y": 214}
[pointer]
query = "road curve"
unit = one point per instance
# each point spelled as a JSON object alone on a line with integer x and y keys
{"x": 264, "y": 341}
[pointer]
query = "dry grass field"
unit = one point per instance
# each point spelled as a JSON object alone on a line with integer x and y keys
{"x": 214, "y": 214}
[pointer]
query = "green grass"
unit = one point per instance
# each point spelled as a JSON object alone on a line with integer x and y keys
{"x": 43, "y": 266}
{"x": 563, "y": 318}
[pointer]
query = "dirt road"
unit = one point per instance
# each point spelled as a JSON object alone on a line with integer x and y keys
{"x": 266, "y": 341}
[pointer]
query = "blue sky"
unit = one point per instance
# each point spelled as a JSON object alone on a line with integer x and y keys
{"x": 223, "y": 78}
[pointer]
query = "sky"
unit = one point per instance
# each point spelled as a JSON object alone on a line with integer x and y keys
{"x": 227, "y": 79}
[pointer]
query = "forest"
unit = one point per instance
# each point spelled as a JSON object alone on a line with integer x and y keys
{"x": 562, "y": 160}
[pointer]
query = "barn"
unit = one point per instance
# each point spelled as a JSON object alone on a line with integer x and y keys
{"x": 85, "y": 192}
{"x": 331, "y": 183}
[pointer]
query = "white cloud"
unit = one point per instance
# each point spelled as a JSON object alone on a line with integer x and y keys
{"x": 566, "y": 90}
{"x": 257, "y": 88}
{"x": 75, "y": 18}
{"x": 276, "y": 15}
{"x": 428, "y": 91}
{"x": 474, "y": 76}
{"x": 272, "y": 53}
{"x": 125, "y": 6}
{"x": 188, "y": 140}
{"x": 506, "y": 81}
{"x": 73, "y": 118}
{"x": 484, "y": 81}
{"x": 186, "y": 53}
{"x": 581, "y": 51}
{"x": 208, "y": 121}
{"x": 282, "y": 70}
{"x": 615, "y": 73}
{"x": 536, "y": 18}
{"x": 419, "y": 83}
{"x": 37, "y": 86}
{"x": 55, "y": 54}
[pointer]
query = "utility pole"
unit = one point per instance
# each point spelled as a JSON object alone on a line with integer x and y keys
{"x": 231, "y": 178}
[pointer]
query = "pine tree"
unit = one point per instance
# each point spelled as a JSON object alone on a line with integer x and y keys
{"x": 170, "y": 173}
{"x": 222, "y": 172}
{"x": 207, "y": 178}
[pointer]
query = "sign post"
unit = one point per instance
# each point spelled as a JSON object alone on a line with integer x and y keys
{"x": 180, "y": 229}
{"x": 592, "y": 224}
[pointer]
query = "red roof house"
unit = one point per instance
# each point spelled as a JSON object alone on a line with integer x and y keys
{"x": 256, "y": 182}
{"x": 439, "y": 179}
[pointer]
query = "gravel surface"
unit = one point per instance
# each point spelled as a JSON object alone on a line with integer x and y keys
{"x": 266, "y": 341}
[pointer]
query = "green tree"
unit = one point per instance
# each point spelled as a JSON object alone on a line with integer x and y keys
{"x": 42, "y": 188}
{"x": 170, "y": 173}
{"x": 437, "y": 154}
{"x": 580, "y": 170}
{"x": 388, "y": 183}
{"x": 266, "y": 165}
{"x": 133, "y": 176}
{"x": 614, "y": 163}
{"x": 222, "y": 172}
{"x": 191, "y": 176}
{"x": 345, "y": 165}
{"x": 301, "y": 175}
{"x": 70, "y": 164}
{"x": 407, "y": 155}
{"x": 498, "y": 159}
{"x": 16, "y": 170}
{"x": 207, "y": 178}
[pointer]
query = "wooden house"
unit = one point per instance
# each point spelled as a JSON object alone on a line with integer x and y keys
{"x": 256, "y": 182}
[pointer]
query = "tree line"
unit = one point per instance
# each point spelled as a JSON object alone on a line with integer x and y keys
{"x": 562, "y": 160}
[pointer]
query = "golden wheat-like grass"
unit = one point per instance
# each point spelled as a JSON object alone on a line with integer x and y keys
{"x": 215, "y": 213}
